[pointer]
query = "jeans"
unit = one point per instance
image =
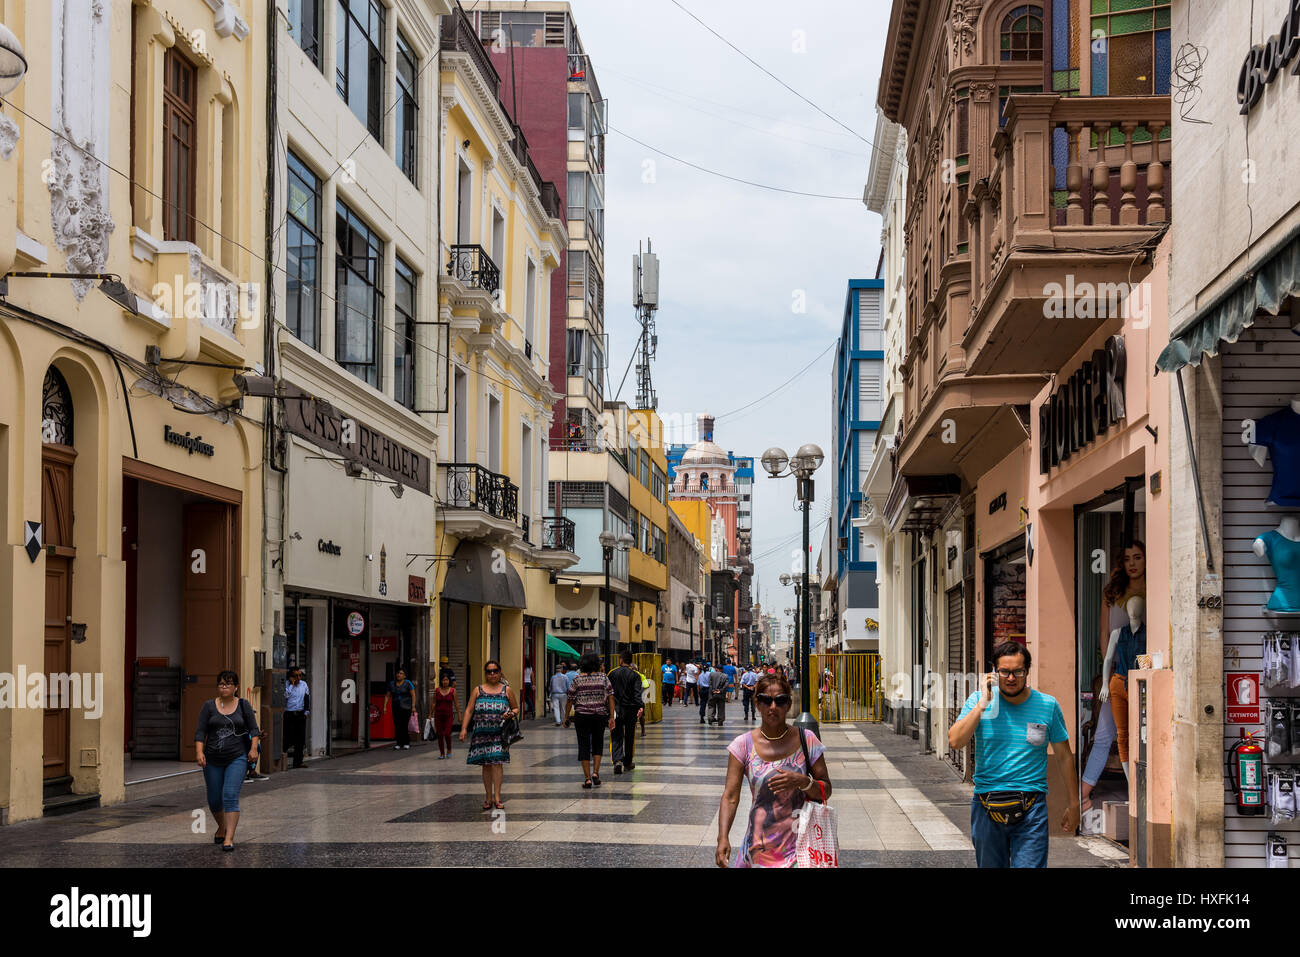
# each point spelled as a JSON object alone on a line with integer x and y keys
{"x": 1014, "y": 845}
{"x": 747, "y": 701}
{"x": 591, "y": 734}
{"x": 704, "y": 701}
{"x": 400, "y": 717}
{"x": 559, "y": 703}
{"x": 717, "y": 707}
{"x": 295, "y": 735}
{"x": 1101, "y": 742}
{"x": 527, "y": 704}
{"x": 223, "y": 782}
{"x": 624, "y": 739}
{"x": 668, "y": 692}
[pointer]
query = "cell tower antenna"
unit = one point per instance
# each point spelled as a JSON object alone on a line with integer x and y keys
{"x": 645, "y": 294}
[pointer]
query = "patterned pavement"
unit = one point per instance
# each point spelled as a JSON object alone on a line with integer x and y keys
{"x": 895, "y": 808}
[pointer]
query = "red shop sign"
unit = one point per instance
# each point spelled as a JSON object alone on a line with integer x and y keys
{"x": 1243, "y": 697}
{"x": 415, "y": 590}
{"x": 383, "y": 643}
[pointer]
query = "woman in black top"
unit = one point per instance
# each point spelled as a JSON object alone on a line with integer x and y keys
{"x": 226, "y": 739}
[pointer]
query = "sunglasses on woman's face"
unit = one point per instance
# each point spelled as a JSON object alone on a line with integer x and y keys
{"x": 493, "y": 671}
{"x": 766, "y": 700}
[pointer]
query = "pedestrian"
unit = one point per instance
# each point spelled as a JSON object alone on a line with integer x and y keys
{"x": 226, "y": 740}
{"x": 647, "y": 695}
{"x": 702, "y": 689}
{"x": 626, "y": 682}
{"x": 668, "y": 676}
{"x": 559, "y": 693}
{"x": 717, "y": 696}
{"x": 591, "y": 708}
{"x": 401, "y": 694}
{"x": 444, "y": 668}
{"x": 489, "y": 705}
{"x": 530, "y": 710}
{"x": 297, "y": 705}
{"x": 572, "y": 673}
{"x": 1012, "y": 725}
{"x": 730, "y": 670}
{"x": 747, "y": 683}
{"x": 691, "y": 690}
{"x": 783, "y": 765}
{"x": 444, "y": 715}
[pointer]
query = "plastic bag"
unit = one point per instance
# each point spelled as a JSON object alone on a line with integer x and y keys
{"x": 817, "y": 835}
{"x": 413, "y": 725}
{"x": 429, "y": 732}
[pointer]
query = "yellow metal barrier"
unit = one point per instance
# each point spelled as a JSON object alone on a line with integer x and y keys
{"x": 649, "y": 666}
{"x": 845, "y": 688}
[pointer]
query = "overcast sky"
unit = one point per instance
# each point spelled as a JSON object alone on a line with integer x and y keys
{"x": 735, "y": 259}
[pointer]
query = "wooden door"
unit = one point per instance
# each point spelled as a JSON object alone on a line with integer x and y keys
{"x": 57, "y": 521}
{"x": 208, "y": 598}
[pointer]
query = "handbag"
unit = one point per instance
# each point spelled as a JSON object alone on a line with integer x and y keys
{"x": 413, "y": 724}
{"x": 817, "y": 839}
{"x": 510, "y": 732}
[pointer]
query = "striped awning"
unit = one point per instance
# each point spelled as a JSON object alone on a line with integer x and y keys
{"x": 1265, "y": 289}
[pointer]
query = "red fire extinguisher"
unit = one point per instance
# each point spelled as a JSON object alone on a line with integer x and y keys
{"x": 1246, "y": 772}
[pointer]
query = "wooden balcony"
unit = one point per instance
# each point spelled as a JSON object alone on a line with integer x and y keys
{"x": 1055, "y": 252}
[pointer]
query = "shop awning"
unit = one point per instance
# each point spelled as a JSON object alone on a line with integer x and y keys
{"x": 561, "y": 648}
{"x": 472, "y": 578}
{"x": 1264, "y": 290}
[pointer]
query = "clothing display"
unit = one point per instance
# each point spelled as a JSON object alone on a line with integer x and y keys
{"x": 1279, "y": 432}
{"x": 1130, "y": 645}
{"x": 1284, "y": 555}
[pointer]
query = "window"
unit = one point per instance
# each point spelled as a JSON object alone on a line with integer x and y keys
{"x": 577, "y": 198}
{"x": 359, "y": 73}
{"x": 646, "y": 546}
{"x": 577, "y": 268}
{"x": 407, "y": 112}
{"x": 304, "y": 25}
{"x": 303, "y": 251}
{"x": 645, "y": 469}
{"x": 576, "y": 356}
{"x": 180, "y": 146}
{"x": 530, "y": 305}
{"x": 494, "y": 434}
{"x": 1022, "y": 34}
{"x": 498, "y": 238}
{"x": 460, "y": 431}
{"x": 596, "y": 368}
{"x": 634, "y": 520}
{"x": 1134, "y": 59}
{"x": 360, "y": 299}
{"x": 404, "y": 336}
{"x": 659, "y": 544}
{"x": 658, "y": 484}
{"x": 578, "y": 107}
{"x": 464, "y": 203}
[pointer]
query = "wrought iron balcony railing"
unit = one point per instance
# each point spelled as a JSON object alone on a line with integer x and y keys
{"x": 524, "y": 523}
{"x": 458, "y": 34}
{"x": 473, "y": 266}
{"x": 558, "y": 533}
{"x": 475, "y": 487}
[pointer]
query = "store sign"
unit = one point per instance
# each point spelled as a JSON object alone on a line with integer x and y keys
{"x": 356, "y": 623}
{"x": 1243, "y": 697}
{"x": 328, "y": 548}
{"x": 379, "y": 644}
{"x": 574, "y": 624}
{"x": 998, "y": 504}
{"x": 331, "y": 430}
{"x": 190, "y": 443}
{"x": 1084, "y": 407}
{"x": 1264, "y": 62}
{"x": 415, "y": 590}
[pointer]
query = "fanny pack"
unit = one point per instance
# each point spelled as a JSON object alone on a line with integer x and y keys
{"x": 1008, "y": 807}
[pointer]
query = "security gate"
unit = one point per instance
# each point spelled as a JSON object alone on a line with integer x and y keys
{"x": 846, "y": 687}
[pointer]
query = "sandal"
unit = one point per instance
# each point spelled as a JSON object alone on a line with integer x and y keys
{"x": 501, "y": 805}
{"x": 595, "y": 780}
{"x": 219, "y": 838}
{"x": 587, "y": 785}
{"x": 487, "y": 805}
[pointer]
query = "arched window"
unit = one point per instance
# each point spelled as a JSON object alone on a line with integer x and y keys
{"x": 1022, "y": 34}
{"x": 56, "y": 409}
{"x": 704, "y": 481}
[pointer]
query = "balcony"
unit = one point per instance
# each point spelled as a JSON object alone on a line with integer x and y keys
{"x": 458, "y": 35}
{"x": 1055, "y": 252}
{"x": 474, "y": 268}
{"x": 478, "y": 503}
{"x": 558, "y": 533}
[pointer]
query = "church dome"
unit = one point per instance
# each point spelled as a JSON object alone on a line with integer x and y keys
{"x": 705, "y": 452}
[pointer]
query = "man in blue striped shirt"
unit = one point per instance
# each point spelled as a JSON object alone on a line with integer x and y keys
{"x": 1012, "y": 725}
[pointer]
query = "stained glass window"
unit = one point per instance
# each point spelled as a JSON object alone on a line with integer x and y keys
{"x": 1022, "y": 34}
{"x": 1130, "y": 47}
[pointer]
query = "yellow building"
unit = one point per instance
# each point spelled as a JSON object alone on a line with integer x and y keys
{"x": 503, "y": 231}
{"x": 647, "y": 469}
{"x": 129, "y": 472}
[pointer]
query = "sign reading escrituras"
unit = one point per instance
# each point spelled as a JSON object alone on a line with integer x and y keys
{"x": 1084, "y": 407}
{"x": 327, "y": 428}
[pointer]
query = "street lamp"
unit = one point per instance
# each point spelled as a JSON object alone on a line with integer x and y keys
{"x": 802, "y": 465}
{"x": 608, "y": 542}
{"x": 723, "y": 621}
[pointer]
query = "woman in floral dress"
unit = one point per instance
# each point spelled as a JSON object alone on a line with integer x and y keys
{"x": 780, "y": 781}
{"x": 489, "y": 705}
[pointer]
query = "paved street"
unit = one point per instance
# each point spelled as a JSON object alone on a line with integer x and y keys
{"x": 410, "y": 809}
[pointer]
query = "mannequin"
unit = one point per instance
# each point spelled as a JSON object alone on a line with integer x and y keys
{"x": 1281, "y": 546}
{"x": 1277, "y": 436}
{"x": 1121, "y": 655}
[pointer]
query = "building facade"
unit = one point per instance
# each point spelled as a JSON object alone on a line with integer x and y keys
{"x": 129, "y": 466}
{"x": 1232, "y": 365}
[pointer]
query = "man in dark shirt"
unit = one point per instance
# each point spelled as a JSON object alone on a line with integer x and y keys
{"x": 627, "y": 704}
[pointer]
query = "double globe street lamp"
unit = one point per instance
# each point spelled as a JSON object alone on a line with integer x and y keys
{"x": 801, "y": 465}
{"x": 608, "y": 542}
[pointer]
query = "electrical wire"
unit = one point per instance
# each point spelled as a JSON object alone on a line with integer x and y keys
{"x": 781, "y": 386}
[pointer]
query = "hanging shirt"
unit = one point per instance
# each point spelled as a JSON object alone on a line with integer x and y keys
{"x": 1284, "y": 555}
{"x": 1279, "y": 432}
{"x": 1130, "y": 645}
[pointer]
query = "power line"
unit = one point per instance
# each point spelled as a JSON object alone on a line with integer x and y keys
{"x": 782, "y": 385}
{"x": 734, "y": 179}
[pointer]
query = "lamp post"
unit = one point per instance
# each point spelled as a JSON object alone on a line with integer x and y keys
{"x": 802, "y": 466}
{"x": 608, "y": 542}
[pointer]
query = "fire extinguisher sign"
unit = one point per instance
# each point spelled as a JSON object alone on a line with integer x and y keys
{"x": 1243, "y": 697}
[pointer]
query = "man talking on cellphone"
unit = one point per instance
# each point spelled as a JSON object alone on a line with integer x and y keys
{"x": 1012, "y": 725}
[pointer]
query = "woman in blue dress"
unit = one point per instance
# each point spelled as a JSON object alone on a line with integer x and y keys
{"x": 489, "y": 705}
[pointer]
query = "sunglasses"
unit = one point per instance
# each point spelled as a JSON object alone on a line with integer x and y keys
{"x": 492, "y": 671}
{"x": 781, "y": 700}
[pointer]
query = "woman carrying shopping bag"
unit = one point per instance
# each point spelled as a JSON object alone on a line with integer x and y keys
{"x": 786, "y": 770}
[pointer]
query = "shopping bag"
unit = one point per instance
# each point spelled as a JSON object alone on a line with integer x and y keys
{"x": 429, "y": 732}
{"x": 413, "y": 725}
{"x": 817, "y": 841}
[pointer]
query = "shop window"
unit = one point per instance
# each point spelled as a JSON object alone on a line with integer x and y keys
{"x": 303, "y": 253}
{"x": 359, "y": 70}
{"x": 359, "y": 296}
{"x": 407, "y": 112}
{"x": 180, "y": 146}
{"x": 404, "y": 335}
{"x": 1022, "y": 35}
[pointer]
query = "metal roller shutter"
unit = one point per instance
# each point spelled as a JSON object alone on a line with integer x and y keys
{"x": 956, "y": 642}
